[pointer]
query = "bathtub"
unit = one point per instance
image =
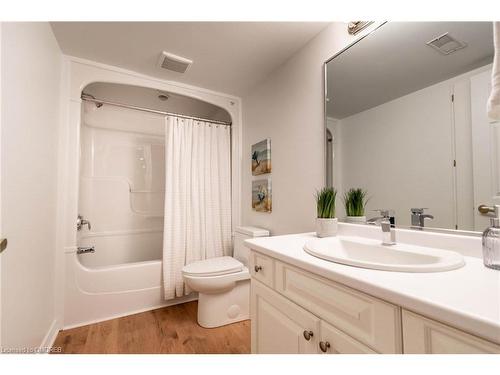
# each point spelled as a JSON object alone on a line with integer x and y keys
{"x": 101, "y": 293}
{"x": 121, "y": 192}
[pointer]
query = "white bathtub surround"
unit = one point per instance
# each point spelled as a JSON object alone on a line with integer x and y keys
{"x": 197, "y": 222}
{"x": 111, "y": 290}
{"x": 467, "y": 298}
{"x": 326, "y": 227}
{"x": 494, "y": 99}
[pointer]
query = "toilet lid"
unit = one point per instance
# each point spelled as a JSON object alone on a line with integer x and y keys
{"x": 213, "y": 267}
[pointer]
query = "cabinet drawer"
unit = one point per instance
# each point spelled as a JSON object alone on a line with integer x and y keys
{"x": 337, "y": 342}
{"x": 262, "y": 268}
{"x": 373, "y": 322}
{"x": 425, "y": 336}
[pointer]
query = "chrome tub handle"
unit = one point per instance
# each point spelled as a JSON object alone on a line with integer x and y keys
{"x": 85, "y": 249}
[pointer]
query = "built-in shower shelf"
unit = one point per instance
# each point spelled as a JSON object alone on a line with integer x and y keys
{"x": 108, "y": 233}
{"x": 146, "y": 203}
{"x": 147, "y": 191}
{"x": 147, "y": 215}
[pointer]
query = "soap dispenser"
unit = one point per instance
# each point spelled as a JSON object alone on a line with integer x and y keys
{"x": 491, "y": 242}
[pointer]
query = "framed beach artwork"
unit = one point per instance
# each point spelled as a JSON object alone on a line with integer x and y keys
{"x": 261, "y": 195}
{"x": 261, "y": 157}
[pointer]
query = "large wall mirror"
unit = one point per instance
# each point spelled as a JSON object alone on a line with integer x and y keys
{"x": 406, "y": 122}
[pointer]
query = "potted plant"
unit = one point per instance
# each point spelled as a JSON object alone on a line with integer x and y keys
{"x": 326, "y": 222}
{"x": 355, "y": 203}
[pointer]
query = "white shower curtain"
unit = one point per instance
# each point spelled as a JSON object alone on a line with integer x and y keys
{"x": 197, "y": 197}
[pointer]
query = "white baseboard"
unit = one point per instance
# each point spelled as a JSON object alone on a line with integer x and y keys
{"x": 50, "y": 337}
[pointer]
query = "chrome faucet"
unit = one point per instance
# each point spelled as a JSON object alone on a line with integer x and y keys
{"x": 387, "y": 223}
{"x": 384, "y": 214}
{"x": 85, "y": 249}
{"x": 388, "y": 233}
{"x": 418, "y": 218}
{"x": 81, "y": 222}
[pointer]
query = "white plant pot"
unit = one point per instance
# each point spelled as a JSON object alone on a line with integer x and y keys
{"x": 356, "y": 219}
{"x": 326, "y": 227}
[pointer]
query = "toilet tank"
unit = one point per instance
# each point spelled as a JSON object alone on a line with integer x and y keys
{"x": 241, "y": 252}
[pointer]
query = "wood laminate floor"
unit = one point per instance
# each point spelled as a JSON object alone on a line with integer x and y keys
{"x": 169, "y": 330}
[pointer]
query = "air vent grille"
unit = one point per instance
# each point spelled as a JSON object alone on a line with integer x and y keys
{"x": 446, "y": 44}
{"x": 174, "y": 63}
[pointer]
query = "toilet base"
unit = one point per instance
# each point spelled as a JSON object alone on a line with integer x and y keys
{"x": 215, "y": 310}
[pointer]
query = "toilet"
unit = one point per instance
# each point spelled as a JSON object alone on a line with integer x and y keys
{"x": 223, "y": 283}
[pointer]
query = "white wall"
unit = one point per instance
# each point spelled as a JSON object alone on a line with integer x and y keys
{"x": 288, "y": 108}
{"x": 31, "y": 63}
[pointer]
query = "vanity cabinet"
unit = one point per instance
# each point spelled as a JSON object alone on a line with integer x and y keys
{"x": 296, "y": 311}
{"x": 280, "y": 326}
{"x": 299, "y": 312}
{"x": 425, "y": 336}
{"x": 369, "y": 320}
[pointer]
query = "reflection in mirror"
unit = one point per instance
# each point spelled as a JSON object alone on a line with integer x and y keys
{"x": 406, "y": 122}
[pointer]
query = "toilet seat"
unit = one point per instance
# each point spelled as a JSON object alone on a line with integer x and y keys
{"x": 215, "y": 275}
{"x": 217, "y": 266}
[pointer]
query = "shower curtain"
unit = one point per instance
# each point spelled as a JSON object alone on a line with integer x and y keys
{"x": 197, "y": 197}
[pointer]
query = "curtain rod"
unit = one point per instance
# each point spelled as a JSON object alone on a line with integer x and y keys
{"x": 90, "y": 98}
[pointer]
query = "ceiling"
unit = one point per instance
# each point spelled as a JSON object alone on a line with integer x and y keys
{"x": 394, "y": 61}
{"x": 229, "y": 57}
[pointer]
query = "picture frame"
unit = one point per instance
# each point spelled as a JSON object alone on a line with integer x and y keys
{"x": 261, "y": 157}
{"x": 262, "y": 195}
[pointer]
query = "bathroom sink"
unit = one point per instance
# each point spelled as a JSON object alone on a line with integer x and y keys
{"x": 367, "y": 253}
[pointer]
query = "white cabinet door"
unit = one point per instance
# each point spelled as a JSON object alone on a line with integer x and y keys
{"x": 280, "y": 326}
{"x": 369, "y": 320}
{"x": 426, "y": 336}
{"x": 334, "y": 341}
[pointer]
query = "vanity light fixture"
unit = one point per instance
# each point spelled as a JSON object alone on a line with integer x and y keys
{"x": 355, "y": 27}
{"x": 446, "y": 44}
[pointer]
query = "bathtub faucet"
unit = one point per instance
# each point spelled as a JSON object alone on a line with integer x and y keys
{"x": 85, "y": 249}
{"x": 81, "y": 222}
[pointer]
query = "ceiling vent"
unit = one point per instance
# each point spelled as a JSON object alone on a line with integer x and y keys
{"x": 446, "y": 44}
{"x": 174, "y": 63}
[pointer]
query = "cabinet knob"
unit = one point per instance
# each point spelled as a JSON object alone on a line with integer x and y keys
{"x": 3, "y": 244}
{"x": 308, "y": 335}
{"x": 257, "y": 268}
{"x": 324, "y": 346}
